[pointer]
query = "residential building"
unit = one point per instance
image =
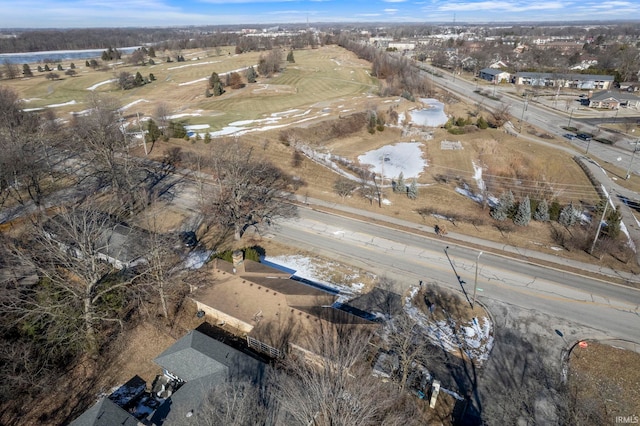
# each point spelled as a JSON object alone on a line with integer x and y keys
{"x": 495, "y": 76}
{"x": 608, "y": 99}
{"x": 572, "y": 81}
{"x": 105, "y": 412}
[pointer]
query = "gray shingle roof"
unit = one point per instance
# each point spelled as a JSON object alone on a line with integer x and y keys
{"x": 105, "y": 413}
{"x": 554, "y": 76}
{"x": 197, "y": 355}
{"x": 618, "y": 96}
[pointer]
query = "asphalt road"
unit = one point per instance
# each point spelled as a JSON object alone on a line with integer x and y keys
{"x": 407, "y": 258}
{"x": 543, "y": 117}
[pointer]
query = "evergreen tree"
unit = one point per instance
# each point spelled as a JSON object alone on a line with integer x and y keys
{"x": 569, "y": 215}
{"x": 153, "y": 131}
{"x": 46, "y": 67}
{"x": 251, "y": 75}
{"x": 139, "y": 80}
{"x": 40, "y": 68}
{"x": 523, "y": 215}
{"x": 151, "y": 62}
{"x": 72, "y": 66}
{"x": 504, "y": 208}
{"x": 482, "y": 123}
{"x": 412, "y": 193}
{"x": 542, "y": 212}
{"x": 152, "y": 77}
{"x": 26, "y": 70}
{"x": 215, "y": 78}
{"x": 151, "y": 52}
{"x": 290, "y": 58}
{"x": 60, "y": 67}
{"x": 613, "y": 218}
{"x": 207, "y": 138}
{"x": 218, "y": 89}
{"x": 400, "y": 185}
{"x": 87, "y": 64}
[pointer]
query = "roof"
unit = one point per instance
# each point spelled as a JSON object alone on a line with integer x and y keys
{"x": 105, "y": 413}
{"x": 197, "y": 355}
{"x": 555, "y": 76}
{"x": 492, "y": 71}
{"x": 203, "y": 362}
{"x": 619, "y": 96}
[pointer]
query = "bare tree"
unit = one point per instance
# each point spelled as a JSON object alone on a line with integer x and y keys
{"x": 248, "y": 191}
{"x": 162, "y": 114}
{"x": 77, "y": 294}
{"x": 333, "y": 384}
{"x": 237, "y": 403}
{"x": 102, "y": 139}
{"x": 11, "y": 70}
{"x": 344, "y": 186}
{"x": 407, "y": 341}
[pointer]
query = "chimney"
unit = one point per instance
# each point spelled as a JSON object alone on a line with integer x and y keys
{"x": 238, "y": 261}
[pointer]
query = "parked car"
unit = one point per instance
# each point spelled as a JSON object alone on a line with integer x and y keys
{"x": 583, "y": 136}
{"x": 569, "y": 136}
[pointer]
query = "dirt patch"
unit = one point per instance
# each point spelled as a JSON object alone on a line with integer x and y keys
{"x": 604, "y": 382}
{"x": 442, "y": 304}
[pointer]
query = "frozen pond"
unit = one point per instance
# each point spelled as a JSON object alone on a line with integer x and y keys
{"x": 432, "y": 116}
{"x": 390, "y": 160}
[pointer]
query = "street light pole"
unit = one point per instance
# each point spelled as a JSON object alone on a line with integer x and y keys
{"x": 475, "y": 281}
{"x": 604, "y": 212}
{"x": 570, "y": 117}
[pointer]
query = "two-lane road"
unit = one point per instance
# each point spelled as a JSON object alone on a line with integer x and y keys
{"x": 408, "y": 258}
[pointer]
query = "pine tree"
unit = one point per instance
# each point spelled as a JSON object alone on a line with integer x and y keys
{"x": 613, "y": 218}
{"x": 152, "y": 77}
{"x": 46, "y": 68}
{"x": 412, "y": 193}
{"x": 87, "y": 64}
{"x": 504, "y": 208}
{"x": 523, "y": 215}
{"x": 151, "y": 52}
{"x": 290, "y": 58}
{"x": 218, "y": 89}
{"x": 40, "y": 68}
{"x": 207, "y": 138}
{"x": 72, "y": 66}
{"x": 542, "y": 212}
{"x": 153, "y": 131}
{"x": 60, "y": 67}
{"x": 568, "y": 215}
{"x": 400, "y": 186}
{"x": 139, "y": 80}
{"x": 26, "y": 70}
{"x": 251, "y": 75}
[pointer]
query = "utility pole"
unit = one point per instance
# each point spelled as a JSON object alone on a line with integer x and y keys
{"x": 604, "y": 212}
{"x": 144, "y": 139}
{"x": 570, "y": 117}
{"x": 475, "y": 282}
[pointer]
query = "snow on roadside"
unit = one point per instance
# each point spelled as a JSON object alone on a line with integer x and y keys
{"x": 129, "y": 105}
{"x": 474, "y": 338}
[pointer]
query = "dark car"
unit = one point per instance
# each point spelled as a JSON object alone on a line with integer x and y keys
{"x": 569, "y": 136}
{"x": 583, "y": 136}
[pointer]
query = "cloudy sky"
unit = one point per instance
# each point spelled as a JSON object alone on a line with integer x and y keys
{"x": 140, "y": 13}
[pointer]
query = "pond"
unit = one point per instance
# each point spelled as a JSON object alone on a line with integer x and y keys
{"x": 432, "y": 116}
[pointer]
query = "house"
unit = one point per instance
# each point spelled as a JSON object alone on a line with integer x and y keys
{"x": 573, "y": 81}
{"x": 263, "y": 304}
{"x": 105, "y": 412}
{"x": 194, "y": 365}
{"x": 608, "y": 99}
{"x": 495, "y": 76}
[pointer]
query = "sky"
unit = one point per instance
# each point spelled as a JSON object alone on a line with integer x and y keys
{"x": 162, "y": 13}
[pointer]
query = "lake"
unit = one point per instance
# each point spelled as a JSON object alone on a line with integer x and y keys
{"x": 53, "y": 56}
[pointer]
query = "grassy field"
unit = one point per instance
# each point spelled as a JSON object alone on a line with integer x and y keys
{"x": 321, "y": 86}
